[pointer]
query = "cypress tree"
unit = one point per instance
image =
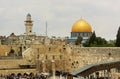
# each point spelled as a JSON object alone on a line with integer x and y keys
{"x": 92, "y": 38}
{"x": 118, "y": 38}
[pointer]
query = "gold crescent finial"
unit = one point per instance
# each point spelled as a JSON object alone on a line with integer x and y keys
{"x": 81, "y": 17}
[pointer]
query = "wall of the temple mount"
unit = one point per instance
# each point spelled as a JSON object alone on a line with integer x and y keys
{"x": 76, "y": 57}
{"x": 82, "y": 56}
{"x": 4, "y": 49}
{"x": 67, "y": 58}
{"x": 12, "y": 63}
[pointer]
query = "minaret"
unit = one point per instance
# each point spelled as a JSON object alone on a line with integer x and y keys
{"x": 28, "y": 24}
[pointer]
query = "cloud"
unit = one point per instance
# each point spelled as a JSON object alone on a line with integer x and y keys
{"x": 103, "y": 15}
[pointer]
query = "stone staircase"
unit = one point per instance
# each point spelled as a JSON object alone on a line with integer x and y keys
{"x": 29, "y": 55}
{"x": 27, "y": 52}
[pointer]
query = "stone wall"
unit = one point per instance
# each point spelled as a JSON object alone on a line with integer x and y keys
{"x": 82, "y": 56}
{"x": 11, "y": 63}
{"x": 67, "y": 58}
{"x": 74, "y": 58}
{"x": 4, "y": 49}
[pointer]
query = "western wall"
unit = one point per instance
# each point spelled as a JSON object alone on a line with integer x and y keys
{"x": 67, "y": 58}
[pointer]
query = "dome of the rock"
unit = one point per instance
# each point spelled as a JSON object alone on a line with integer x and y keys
{"x": 81, "y": 26}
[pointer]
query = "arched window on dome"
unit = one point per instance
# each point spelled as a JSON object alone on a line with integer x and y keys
{"x": 73, "y": 34}
{"x": 85, "y": 34}
{"x": 81, "y": 34}
{"x": 77, "y": 34}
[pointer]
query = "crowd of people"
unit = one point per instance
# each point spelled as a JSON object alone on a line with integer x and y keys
{"x": 24, "y": 76}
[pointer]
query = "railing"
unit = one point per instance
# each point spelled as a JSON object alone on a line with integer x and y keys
{"x": 27, "y": 51}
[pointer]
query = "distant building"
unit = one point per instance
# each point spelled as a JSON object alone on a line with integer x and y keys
{"x": 80, "y": 28}
{"x": 29, "y": 37}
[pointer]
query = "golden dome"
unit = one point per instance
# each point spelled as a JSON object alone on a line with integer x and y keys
{"x": 81, "y": 26}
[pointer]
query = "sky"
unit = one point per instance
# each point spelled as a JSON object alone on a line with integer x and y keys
{"x": 102, "y": 15}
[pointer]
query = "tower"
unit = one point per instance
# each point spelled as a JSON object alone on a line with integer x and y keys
{"x": 28, "y": 24}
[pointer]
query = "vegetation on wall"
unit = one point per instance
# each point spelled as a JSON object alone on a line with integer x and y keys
{"x": 94, "y": 41}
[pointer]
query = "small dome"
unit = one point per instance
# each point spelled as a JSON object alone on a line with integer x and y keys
{"x": 28, "y": 14}
{"x": 81, "y": 26}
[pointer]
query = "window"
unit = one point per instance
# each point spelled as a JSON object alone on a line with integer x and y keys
{"x": 46, "y": 57}
{"x": 53, "y": 57}
{"x": 60, "y": 56}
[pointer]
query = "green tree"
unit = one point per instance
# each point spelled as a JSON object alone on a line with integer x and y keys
{"x": 111, "y": 43}
{"x": 118, "y": 38}
{"x": 79, "y": 40}
{"x": 100, "y": 42}
{"x": 92, "y": 39}
{"x": 86, "y": 44}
